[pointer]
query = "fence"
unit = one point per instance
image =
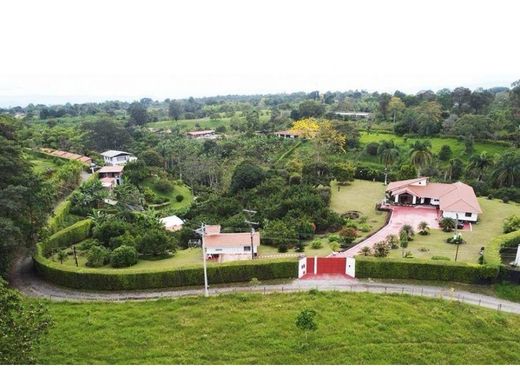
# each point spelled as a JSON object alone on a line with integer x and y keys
{"x": 428, "y": 292}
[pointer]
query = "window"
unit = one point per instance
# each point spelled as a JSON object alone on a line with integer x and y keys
{"x": 468, "y": 214}
{"x": 247, "y": 249}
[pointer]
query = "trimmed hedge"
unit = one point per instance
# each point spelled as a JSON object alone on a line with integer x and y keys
{"x": 371, "y": 267}
{"x": 57, "y": 220}
{"x": 97, "y": 279}
{"x": 492, "y": 250}
{"x": 66, "y": 237}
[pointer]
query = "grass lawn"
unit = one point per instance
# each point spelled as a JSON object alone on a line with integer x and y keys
{"x": 42, "y": 165}
{"x": 490, "y": 226}
{"x": 362, "y": 196}
{"x": 182, "y": 258}
{"x": 177, "y": 190}
{"x": 255, "y": 329}
{"x": 325, "y": 250}
{"x": 456, "y": 146}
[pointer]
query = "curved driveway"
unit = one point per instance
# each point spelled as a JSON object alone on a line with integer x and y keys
{"x": 401, "y": 215}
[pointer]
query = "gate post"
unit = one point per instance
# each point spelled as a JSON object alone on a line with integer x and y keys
{"x": 350, "y": 267}
{"x": 315, "y": 265}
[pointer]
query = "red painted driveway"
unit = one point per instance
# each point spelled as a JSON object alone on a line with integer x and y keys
{"x": 401, "y": 215}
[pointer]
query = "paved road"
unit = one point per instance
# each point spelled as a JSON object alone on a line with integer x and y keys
{"x": 23, "y": 278}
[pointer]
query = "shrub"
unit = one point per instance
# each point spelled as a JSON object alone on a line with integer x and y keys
{"x": 109, "y": 229}
{"x": 155, "y": 242}
{"x": 124, "y": 256}
{"x": 295, "y": 179}
{"x": 366, "y": 251}
{"x": 57, "y": 220}
{"x": 85, "y": 245}
{"x": 408, "y": 230}
{"x": 164, "y": 186}
{"x": 424, "y": 229}
{"x": 512, "y": 223}
{"x": 381, "y": 249}
{"x": 334, "y": 246}
{"x": 316, "y": 244}
{"x": 348, "y": 235}
{"x": 98, "y": 256}
{"x": 393, "y": 241}
{"x": 456, "y": 239}
{"x": 179, "y": 198}
{"x": 447, "y": 224}
{"x": 333, "y": 238}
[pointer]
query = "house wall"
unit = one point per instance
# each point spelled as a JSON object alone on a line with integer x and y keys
{"x": 461, "y": 216}
{"x": 231, "y": 254}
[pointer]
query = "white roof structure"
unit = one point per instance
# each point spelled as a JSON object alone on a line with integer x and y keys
{"x": 114, "y": 153}
{"x": 172, "y": 222}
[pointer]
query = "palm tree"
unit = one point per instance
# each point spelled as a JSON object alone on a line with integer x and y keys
{"x": 507, "y": 169}
{"x": 388, "y": 156}
{"x": 479, "y": 163}
{"x": 421, "y": 155}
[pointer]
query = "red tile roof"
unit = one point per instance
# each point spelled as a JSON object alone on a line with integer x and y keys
{"x": 112, "y": 169}
{"x": 231, "y": 240}
{"x": 455, "y": 197}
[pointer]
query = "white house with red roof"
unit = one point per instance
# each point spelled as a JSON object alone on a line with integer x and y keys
{"x": 229, "y": 246}
{"x": 111, "y": 175}
{"x": 455, "y": 200}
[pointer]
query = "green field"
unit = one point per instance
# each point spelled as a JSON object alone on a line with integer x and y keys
{"x": 256, "y": 329}
{"x": 489, "y": 226}
{"x": 42, "y": 165}
{"x": 456, "y": 146}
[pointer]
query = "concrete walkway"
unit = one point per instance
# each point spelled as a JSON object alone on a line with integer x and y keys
{"x": 23, "y": 278}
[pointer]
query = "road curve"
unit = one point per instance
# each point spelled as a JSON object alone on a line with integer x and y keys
{"x": 23, "y": 278}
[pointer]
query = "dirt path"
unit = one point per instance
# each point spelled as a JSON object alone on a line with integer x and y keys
{"x": 23, "y": 278}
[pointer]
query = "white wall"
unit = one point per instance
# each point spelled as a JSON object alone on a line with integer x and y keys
{"x": 229, "y": 251}
{"x": 460, "y": 216}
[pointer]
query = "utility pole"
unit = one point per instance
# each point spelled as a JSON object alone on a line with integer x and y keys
{"x": 250, "y": 213}
{"x": 202, "y": 232}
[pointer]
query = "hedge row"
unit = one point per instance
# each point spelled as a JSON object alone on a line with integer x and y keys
{"x": 369, "y": 267}
{"x": 57, "y": 219}
{"x": 89, "y": 279}
{"x": 492, "y": 250}
{"x": 66, "y": 237}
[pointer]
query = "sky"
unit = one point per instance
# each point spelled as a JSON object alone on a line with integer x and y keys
{"x": 56, "y": 51}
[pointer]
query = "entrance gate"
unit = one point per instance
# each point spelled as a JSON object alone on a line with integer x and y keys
{"x": 326, "y": 266}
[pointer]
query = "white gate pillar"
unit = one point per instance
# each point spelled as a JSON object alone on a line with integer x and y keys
{"x": 350, "y": 267}
{"x": 315, "y": 265}
{"x": 517, "y": 258}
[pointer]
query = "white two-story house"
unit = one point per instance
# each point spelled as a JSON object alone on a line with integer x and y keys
{"x": 117, "y": 157}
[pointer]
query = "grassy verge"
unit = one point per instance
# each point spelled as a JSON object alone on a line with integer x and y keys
{"x": 257, "y": 329}
{"x": 508, "y": 291}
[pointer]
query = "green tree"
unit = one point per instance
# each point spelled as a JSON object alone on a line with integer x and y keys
{"x": 445, "y": 153}
{"x": 479, "y": 163}
{"x": 138, "y": 113}
{"x": 22, "y": 326}
{"x": 507, "y": 169}
{"x": 396, "y": 107}
{"x": 175, "y": 109}
{"x": 343, "y": 172}
{"x": 246, "y": 175}
{"x": 305, "y": 321}
{"x": 105, "y": 133}
{"x": 123, "y": 256}
{"x": 421, "y": 155}
{"x": 151, "y": 158}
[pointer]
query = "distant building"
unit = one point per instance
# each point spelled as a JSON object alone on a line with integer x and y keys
{"x": 172, "y": 223}
{"x": 285, "y": 134}
{"x": 353, "y": 114}
{"x": 229, "y": 246}
{"x": 202, "y": 134}
{"x": 111, "y": 175}
{"x": 67, "y": 155}
{"x": 117, "y": 157}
